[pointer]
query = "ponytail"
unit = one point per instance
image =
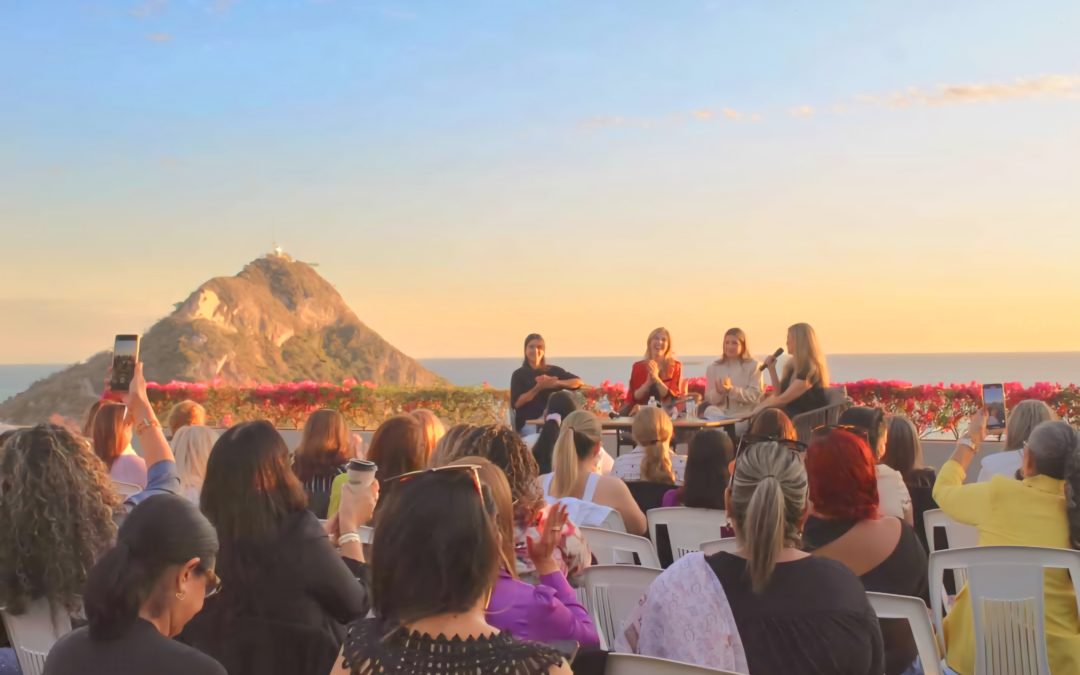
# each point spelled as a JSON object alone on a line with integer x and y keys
{"x": 764, "y": 531}
{"x": 580, "y": 433}
{"x": 559, "y": 407}
{"x": 114, "y": 592}
{"x": 656, "y": 467}
{"x": 653, "y": 430}
{"x": 1072, "y": 491}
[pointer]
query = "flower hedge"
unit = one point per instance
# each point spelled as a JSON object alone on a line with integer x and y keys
{"x": 934, "y": 409}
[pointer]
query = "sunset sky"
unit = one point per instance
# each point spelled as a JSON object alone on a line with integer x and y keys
{"x": 904, "y": 176}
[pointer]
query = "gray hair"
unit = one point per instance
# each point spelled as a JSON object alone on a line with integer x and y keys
{"x": 1055, "y": 451}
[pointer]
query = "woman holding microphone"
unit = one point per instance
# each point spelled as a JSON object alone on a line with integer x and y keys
{"x": 805, "y": 376}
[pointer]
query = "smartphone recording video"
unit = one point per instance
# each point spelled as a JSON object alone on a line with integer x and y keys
{"x": 994, "y": 401}
{"x": 125, "y": 354}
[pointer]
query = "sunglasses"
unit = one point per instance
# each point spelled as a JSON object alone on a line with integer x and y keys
{"x": 213, "y": 582}
{"x": 825, "y": 429}
{"x": 473, "y": 471}
{"x": 797, "y": 448}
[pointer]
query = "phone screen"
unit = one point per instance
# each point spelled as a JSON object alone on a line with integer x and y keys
{"x": 125, "y": 354}
{"x": 994, "y": 402}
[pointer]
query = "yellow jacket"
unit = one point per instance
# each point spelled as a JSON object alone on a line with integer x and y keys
{"x": 1011, "y": 512}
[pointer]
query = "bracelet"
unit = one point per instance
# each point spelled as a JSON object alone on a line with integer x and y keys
{"x": 348, "y": 538}
{"x": 966, "y": 441}
{"x": 146, "y": 423}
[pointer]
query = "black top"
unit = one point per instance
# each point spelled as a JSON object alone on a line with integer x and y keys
{"x": 904, "y": 572}
{"x": 368, "y": 651}
{"x": 318, "y": 490}
{"x": 812, "y": 399}
{"x": 524, "y": 379}
{"x": 812, "y": 619}
{"x": 142, "y": 650}
{"x": 920, "y": 485}
{"x": 284, "y": 612}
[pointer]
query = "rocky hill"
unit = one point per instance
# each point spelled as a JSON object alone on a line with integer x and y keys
{"x": 275, "y": 321}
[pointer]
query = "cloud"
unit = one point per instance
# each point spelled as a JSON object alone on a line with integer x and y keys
{"x": 149, "y": 8}
{"x": 160, "y": 38}
{"x": 802, "y": 111}
{"x": 1043, "y": 86}
{"x": 221, "y": 6}
{"x": 608, "y": 121}
{"x": 707, "y": 114}
{"x": 731, "y": 114}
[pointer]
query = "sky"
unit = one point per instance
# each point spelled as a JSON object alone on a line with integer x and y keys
{"x": 903, "y": 176}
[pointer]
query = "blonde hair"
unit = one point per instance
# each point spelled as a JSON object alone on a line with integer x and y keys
{"x": 768, "y": 500}
{"x": 807, "y": 357}
{"x": 744, "y": 350}
{"x": 186, "y": 413}
{"x": 495, "y": 480}
{"x": 669, "y": 355}
{"x": 579, "y": 434}
{"x": 192, "y": 446}
{"x": 433, "y": 427}
{"x": 652, "y": 430}
{"x": 1025, "y": 416}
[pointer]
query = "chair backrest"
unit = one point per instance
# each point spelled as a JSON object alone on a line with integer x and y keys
{"x": 619, "y": 548}
{"x": 729, "y": 544}
{"x": 888, "y": 606}
{"x": 687, "y": 527}
{"x": 836, "y": 402}
{"x": 647, "y": 494}
{"x": 614, "y": 591}
{"x": 632, "y": 664}
{"x": 34, "y": 632}
{"x": 835, "y": 395}
{"x": 1005, "y": 586}
{"x": 958, "y": 535}
{"x": 126, "y": 490}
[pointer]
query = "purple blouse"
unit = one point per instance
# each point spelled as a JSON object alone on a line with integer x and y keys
{"x": 671, "y": 498}
{"x": 546, "y": 612}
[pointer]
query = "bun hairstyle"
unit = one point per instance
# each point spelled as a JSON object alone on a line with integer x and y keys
{"x": 768, "y": 500}
{"x": 580, "y": 434}
{"x": 1055, "y": 451}
{"x": 652, "y": 430}
{"x": 560, "y": 403}
{"x": 163, "y": 531}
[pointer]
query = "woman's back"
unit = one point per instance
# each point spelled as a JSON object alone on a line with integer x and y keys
{"x": 141, "y": 650}
{"x": 813, "y": 617}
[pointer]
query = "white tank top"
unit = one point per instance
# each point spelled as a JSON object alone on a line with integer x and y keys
{"x": 587, "y": 495}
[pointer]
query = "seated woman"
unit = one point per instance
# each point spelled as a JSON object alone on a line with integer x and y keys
{"x": 806, "y": 374}
{"x": 904, "y": 454}
{"x": 845, "y": 526}
{"x": 505, "y": 449}
{"x": 577, "y": 484}
{"x": 142, "y": 593}
{"x": 773, "y": 424}
{"x": 548, "y": 611}
{"x": 559, "y": 407}
{"x": 733, "y": 382}
{"x": 398, "y": 446}
{"x": 652, "y": 458}
{"x": 1023, "y": 419}
{"x": 707, "y": 472}
{"x": 185, "y": 414}
{"x": 436, "y": 559}
{"x": 771, "y": 608}
{"x": 534, "y": 382}
{"x": 192, "y": 446}
{"x": 112, "y": 443}
{"x": 321, "y": 457}
{"x": 432, "y": 427}
{"x": 289, "y": 593}
{"x": 1034, "y": 511}
{"x": 872, "y": 424}
{"x": 658, "y": 375}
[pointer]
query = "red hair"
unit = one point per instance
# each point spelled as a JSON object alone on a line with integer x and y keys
{"x": 843, "y": 477}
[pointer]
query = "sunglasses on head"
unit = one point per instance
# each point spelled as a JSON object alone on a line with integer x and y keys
{"x": 472, "y": 470}
{"x": 825, "y": 429}
{"x": 797, "y": 448}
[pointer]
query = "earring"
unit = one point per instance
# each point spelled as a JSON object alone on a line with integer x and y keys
{"x": 181, "y": 595}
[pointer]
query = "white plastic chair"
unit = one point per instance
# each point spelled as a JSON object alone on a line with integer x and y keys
{"x": 686, "y": 527}
{"x": 126, "y": 490}
{"x": 632, "y": 664}
{"x": 613, "y": 592}
{"x": 618, "y": 548}
{"x": 728, "y": 544}
{"x": 1005, "y": 586}
{"x": 888, "y": 606}
{"x": 34, "y": 632}
{"x": 958, "y": 534}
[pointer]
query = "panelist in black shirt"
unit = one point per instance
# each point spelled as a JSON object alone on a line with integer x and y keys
{"x": 533, "y": 382}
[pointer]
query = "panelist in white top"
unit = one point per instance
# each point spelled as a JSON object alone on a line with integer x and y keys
{"x": 733, "y": 383}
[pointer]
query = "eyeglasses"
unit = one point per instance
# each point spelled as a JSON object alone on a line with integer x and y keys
{"x": 213, "y": 582}
{"x": 451, "y": 469}
{"x": 824, "y": 430}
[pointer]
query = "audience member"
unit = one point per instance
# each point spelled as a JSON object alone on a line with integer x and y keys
{"x": 534, "y": 382}
{"x": 192, "y": 445}
{"x": 112, "y": 443}
{"x": 398, "y": 446}
{"x": 658, "y": 375}
{"x": 321, "y": 457}
{"x": 91, "y": 413}
{"x": 652, "y": 458}
{"x": 1040, "y": 510}
{"x": 449, "y": 446}
{"x": 845, "y": 525}
{"x": 707, "y": 472}
{"x": 432, "y": 427}
{"x": 773, "y": 423}
{"x": 548, "y": 611}
{"x": 589, "y": 497}
{"x": 559, "y": 407}
{"x": 733, "y": 382}
{"x": 805, "y": 377}
{"x": 771, "y": 608}
{"x": 436, "y": 559}
{"x": 1023, "y": 418}
{"x": 505, "y": 449}
{"x": 185, "y": 414}
{"x": 142, "y": 593}
{"x": 903, "y": 452}
{"x": 289, "y": 593}
{"x": 873, "y": 426}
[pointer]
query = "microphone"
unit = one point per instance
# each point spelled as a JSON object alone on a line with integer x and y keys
{"x": 775, "y": 354}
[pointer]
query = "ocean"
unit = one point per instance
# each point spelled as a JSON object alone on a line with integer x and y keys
{"x": 1063, "y": 367}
